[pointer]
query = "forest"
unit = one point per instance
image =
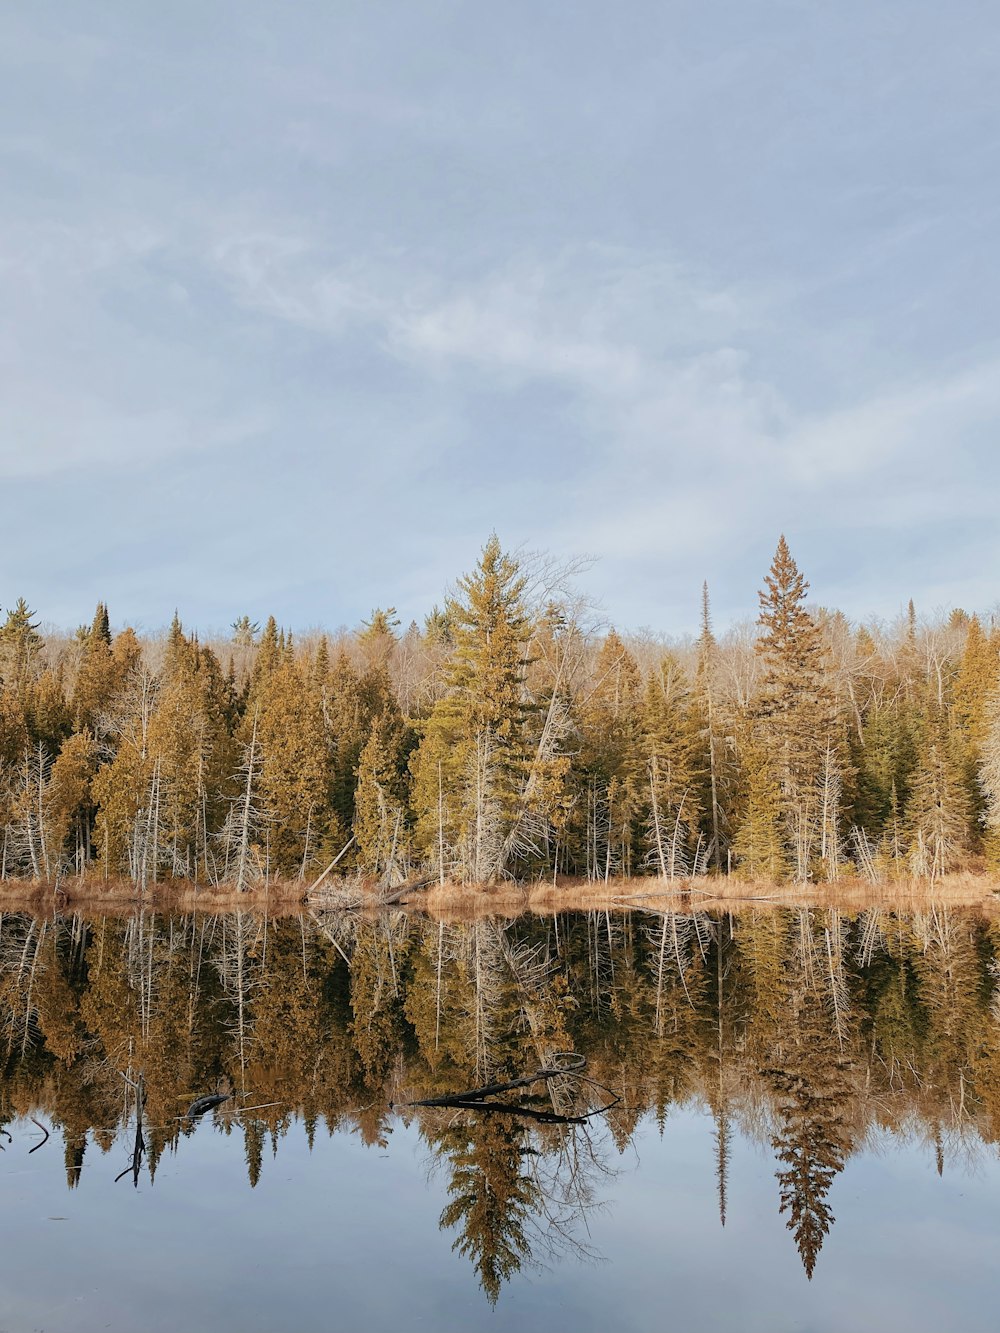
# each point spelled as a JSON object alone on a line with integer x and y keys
{"x": 510, "y": 737}
{"x": 811, "y": 1032}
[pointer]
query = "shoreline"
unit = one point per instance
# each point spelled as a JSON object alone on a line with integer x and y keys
{"x": 469, "y": 901}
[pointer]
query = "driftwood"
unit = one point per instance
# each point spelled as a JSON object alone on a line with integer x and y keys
{"x": 44, "y": 1141}
{"x": 202, "y": 1104}
{"x": 411, "y": 886}
{"x": 505, "y": 1108}
{"x": 320, "y": 878}
{"x": 477, "y": 1099}
{"x": 139, "y": 1143}
{"x": 355, "y": 893}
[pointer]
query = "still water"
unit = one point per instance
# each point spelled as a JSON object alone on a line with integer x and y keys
{"x": 786, "y": 1121}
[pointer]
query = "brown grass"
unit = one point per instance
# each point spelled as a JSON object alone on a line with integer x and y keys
{"x": 707, "y": 893}
{"x": 463, "y": 902}
{"x": 91, "y": 893}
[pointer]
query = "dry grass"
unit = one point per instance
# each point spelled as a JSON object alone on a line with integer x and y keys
{"x": 706, "y": 893}
{"x": 92, "y": 893}
{"x": 463, "y": 902}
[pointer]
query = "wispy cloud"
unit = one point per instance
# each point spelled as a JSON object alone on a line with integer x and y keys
{"x": 661, "y": 294}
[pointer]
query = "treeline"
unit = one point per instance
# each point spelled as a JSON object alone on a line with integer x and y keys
{"x": 506, "y": 737}
{"x": 810, "y": 1031}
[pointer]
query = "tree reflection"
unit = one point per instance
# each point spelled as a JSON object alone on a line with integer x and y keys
{"x": 491, "y": 1197}
{"x": 804, "y": 1030}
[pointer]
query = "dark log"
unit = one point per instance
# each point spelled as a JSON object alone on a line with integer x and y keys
{"x": 44, "y": 1141}
{"x": 202, "y": 1104}
{"x": 505, "y": 1108}
{"x": 475, "y": 1098}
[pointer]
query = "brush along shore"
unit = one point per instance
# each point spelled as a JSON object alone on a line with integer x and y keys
{"x": 506, "y": 898}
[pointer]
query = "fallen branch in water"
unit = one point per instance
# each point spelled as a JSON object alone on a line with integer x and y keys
{"x": 139, "y": 1146}
{"x": 476, "y": 1099}
{"x": 202, "y": 1104}
{"x": 44, "y": 1141}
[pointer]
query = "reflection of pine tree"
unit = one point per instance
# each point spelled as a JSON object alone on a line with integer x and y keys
{"x": 380, "y": 952}
{"x": 238, "y": 963}
{"x": 666, "y": 1009}
{"x": 812, "y": 1142}
{"x": 491, "y": 1200}
{"x": 950, "y": 973}
{"x": 253, "y": 1148}
{"x": 718, "y": 1091}
{"x": 73, "y": 1151}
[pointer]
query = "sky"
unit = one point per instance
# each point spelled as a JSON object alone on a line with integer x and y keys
{"x": 300, "y": 302}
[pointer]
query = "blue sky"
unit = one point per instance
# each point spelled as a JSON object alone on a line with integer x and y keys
{"x": 301, "y": 301}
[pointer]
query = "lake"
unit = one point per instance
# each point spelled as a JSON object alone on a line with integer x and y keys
{"x": 766, "y": 1120}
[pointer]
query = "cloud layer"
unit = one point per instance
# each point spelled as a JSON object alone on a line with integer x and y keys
{"x": 301, "y": 305}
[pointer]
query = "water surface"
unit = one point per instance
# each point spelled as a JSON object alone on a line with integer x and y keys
{"x": 803, "y": 1136}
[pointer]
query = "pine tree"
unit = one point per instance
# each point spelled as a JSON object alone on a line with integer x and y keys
{"x": 812, "y": 1142}
{"x": 937, "y": 814}
{"x": 759, "y": 844}
{"x": 669, "y": 746}
{"x": 976, "y": 682}
{"x": 380, "y": 820}
{"x": 796, "y": 711}
{"x": 245, "y": 632}
{"x": 612, "y": 768}
{"x": 268, "y": 656}
{"x": 46, "y": 709}
{"x": 295, "y": 775}
{"x": 989, "y": 777}
{"x": 183, "y": 738}
{"x": 378, "y": 638}
{"x": 69, "y": 802}
{"x": 20, "y": 645}
{"x": 127, "y": 790}
{"x": 98, "y": 675}
{"x": 884, "y": 756}
{"x": 471, "y": 768}
{"x": 715, "y": 780}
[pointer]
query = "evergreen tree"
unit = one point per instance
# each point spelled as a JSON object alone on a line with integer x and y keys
{"x": 812, "y": 1142}
{"x": 20, "y": 645}
{"x": 670, "y": 749}
{"x": 378, "y": 637}
{"x": 245, "y": 632}
{"x": 97, "y": 676}
{"x": 989, "y": 777}
{"x": 938, "y": 813}
{"x": 491, "y": 1199}
{"x": 471, "y": 768}
{"x": 381, "y": 818}
{"x": 715, "y": 784}
{"x": 69, "y": 801}
{"x": 976, "y": 681}
{"x": 796, "y": 710}
{"x": 759, "y": 845}
{"x": 611, "y": 766}
{"x": 295, "y": 775}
